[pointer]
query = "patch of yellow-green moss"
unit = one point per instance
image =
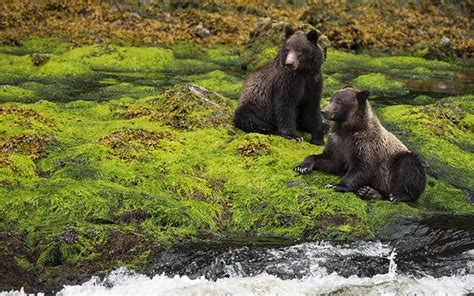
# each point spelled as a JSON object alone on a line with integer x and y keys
{"x": 405, "y": 66}
{"x": 380, "y": 85}
{"x": 100, "y": 73}
{"x": 10, "y": 93}
{"x": 38, "y": 45}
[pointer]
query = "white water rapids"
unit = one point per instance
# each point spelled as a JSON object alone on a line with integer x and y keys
{"x": 316, "y": 281}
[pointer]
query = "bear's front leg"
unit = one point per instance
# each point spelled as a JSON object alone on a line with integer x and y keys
{"x": 352, "y": 181}
{"x": 285, "y": 114}
{"x": 322, "y": 162}
{"x": 317, "y": 134}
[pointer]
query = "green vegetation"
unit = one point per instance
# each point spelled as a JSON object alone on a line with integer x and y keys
{"x": 100, "y": 73}
{"x": 379, "y": 84}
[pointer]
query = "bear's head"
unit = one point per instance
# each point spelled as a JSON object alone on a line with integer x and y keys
{"x": 346, "y": 104}
{"x": 301, "y": 52}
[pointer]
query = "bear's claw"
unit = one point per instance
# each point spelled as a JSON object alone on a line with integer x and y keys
{"x": 294, "y": 138}
{"x": 302, "y": 169}
{"x": 330, "y": 186}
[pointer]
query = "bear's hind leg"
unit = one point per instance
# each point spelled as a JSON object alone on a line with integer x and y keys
{"x": 246, "y": 120}
{"x": 367, "y": 192}
{"x": 399, "y": 197}
{"x": 408, "y": 178}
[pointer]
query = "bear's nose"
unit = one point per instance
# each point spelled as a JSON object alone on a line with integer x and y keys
{"x": 291, "y": 59}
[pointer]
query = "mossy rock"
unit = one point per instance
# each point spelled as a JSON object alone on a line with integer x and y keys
{"x": 188, "y": 106}
{"x": 218, "y": 81}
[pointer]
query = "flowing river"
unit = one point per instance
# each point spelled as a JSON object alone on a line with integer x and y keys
{"x": 434, "y": 256}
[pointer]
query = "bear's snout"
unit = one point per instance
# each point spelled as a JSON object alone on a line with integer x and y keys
{"x": 326, "y": 113}
{"x": 291, "y": 61}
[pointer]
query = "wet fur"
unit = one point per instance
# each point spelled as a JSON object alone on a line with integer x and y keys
{"x": 278, "y": 100}
{"x": 373, "y": 162}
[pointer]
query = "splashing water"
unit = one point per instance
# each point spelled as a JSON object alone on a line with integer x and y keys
{"x": 303, "y": 269}
{"x": 392, "y": 268}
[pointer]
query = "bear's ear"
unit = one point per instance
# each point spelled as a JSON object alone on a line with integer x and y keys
{"x": 289, "y": 31}
{"x": 362, "y": 95}
{"x": 313, "y": 36}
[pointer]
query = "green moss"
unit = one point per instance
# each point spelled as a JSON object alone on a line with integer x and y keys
{"x": 263, "y": 57}
{"x": 24, "y": 263}
{"x": 331, "y": 85}
{"x": 111, "y": 72}
{"x": 380, "y": 85}
{"x": 10, "y": 93}
{"x": 37, "y": 45}
{"x": 218, "y": 54}
{"x": 403, "y": 66}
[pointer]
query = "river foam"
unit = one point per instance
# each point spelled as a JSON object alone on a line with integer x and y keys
{"x": 124, "y": 282}
{"x": 292, "y": 270}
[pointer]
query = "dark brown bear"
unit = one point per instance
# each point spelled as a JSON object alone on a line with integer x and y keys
{"x": 375, "y": 164}
{"x": 284, "y": 95}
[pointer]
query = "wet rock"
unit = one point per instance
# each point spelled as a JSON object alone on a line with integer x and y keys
{"x": 444, "y": 42}
{"x": 134, "y": 17}
{"x": 118, "y": 23}
{"x": 202, "y": 32}
{"x": 70, "y": 236}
